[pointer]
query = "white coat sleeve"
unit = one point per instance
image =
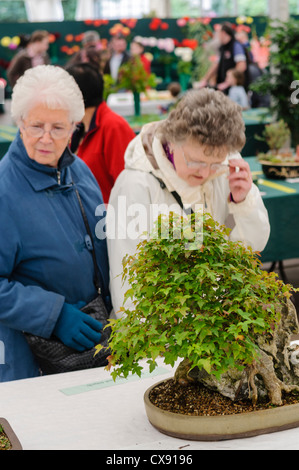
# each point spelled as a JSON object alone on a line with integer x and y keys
{"x": 252, "y": 225}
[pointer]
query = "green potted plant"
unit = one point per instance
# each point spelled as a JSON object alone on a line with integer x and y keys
{"x": 283, "y": 71}
{"x": 133, "y": 76}
{"x": 280, "y": 161}
{"x": 212, "y": 306}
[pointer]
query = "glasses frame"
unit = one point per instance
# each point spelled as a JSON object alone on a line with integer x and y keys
{"x": 39, "y": 135}
{"x": 214, "y": 167}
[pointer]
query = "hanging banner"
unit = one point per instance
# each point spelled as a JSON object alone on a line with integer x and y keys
{"x": 44, "y": 10}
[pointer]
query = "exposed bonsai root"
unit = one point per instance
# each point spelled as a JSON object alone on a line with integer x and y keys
{"x": 181, "y": 375}
{"x": 276, "y": 369}
{"x": 251, "y": 371}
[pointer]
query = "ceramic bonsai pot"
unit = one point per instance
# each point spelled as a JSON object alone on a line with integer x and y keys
{"x": 14, "y": 441}
{"x": 216, "y": 428}
{"x": 280, "y": 171}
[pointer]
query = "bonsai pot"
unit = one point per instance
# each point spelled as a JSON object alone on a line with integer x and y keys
{"x": 280, "y": 171}
{"x": 216, "y": 428}
{"x": 14, "y": 441}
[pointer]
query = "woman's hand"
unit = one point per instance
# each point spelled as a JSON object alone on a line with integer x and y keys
{"x": 240, "y": 179}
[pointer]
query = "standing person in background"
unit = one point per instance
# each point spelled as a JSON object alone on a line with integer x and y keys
{"x": 232, "y": 55}
{"x": 119, "y": 56}
{"x": 90, "y": 51}
{"x": 35, "y": 53}
{"x": 103, "y": 136}
{"x": 137, "y": 50}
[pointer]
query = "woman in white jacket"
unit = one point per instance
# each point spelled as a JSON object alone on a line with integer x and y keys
{"x": 190, "y": 158}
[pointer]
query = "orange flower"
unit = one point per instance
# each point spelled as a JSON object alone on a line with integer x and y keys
{"x": 69, "y": 37}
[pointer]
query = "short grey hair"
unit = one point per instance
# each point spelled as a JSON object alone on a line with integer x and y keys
{"x": 49, "y": 85}
{"x": 207, "y": 117}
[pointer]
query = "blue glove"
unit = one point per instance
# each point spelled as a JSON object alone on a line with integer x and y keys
{"x": 77, "y": 329}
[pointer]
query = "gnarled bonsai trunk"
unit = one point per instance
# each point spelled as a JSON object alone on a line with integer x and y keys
{"x": 275, "y": 370}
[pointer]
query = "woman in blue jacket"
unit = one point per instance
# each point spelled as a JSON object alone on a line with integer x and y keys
{"x": 46, "y": 267}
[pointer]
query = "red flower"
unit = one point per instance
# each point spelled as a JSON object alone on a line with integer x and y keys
{"x": 192, "y": 43}
{"x": 155, "y": 23}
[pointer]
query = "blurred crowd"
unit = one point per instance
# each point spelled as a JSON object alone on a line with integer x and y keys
{"x": 232, "y": 72}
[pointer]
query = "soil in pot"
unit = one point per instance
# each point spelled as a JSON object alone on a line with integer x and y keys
{"x": 197, "y": 400}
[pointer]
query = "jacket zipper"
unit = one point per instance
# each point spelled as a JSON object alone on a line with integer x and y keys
{"x": 205, "y": 200}
{"x": 59, "y": 177}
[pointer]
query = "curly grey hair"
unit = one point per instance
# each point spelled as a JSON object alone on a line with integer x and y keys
{"x": 50, "y": 85}
{"x": 207, "y": 117}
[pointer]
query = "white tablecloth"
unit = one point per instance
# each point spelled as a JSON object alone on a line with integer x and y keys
{"x": 123, "y": 103}
{"x": 87, "y": 410}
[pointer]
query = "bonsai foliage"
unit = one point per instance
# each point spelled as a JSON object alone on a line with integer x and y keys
{"x": 276, "y": 135}
{"x": 284, "y": 56}
{"x": 201, "y": 302}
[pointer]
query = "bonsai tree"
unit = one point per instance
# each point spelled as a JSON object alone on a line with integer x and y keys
{"x": 276, "y": 135}
{"x": 283, "y": 71}
{"x": 209, "y": 304}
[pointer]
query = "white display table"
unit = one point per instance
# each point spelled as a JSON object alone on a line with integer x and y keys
{"x": 86, "y": 410}
{"x": 150, "y": 103}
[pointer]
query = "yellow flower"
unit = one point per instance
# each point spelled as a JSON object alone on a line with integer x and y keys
{"x": 241, "y": 19}
{"x": 5, "y": 41}
{"x": 16, "y": 40}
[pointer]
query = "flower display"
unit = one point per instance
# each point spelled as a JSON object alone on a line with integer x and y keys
{"x": 133, "y": 76}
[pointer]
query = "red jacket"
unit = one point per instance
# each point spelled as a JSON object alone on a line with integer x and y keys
{"x": 103, "y": 147}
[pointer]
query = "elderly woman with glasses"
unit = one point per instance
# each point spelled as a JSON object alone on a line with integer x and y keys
{"x": 190, "y": 159}
{"x": 46, "y": 266}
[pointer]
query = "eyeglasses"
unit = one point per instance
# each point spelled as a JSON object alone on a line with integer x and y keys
{"x": 55, "y": 133}
{"x": 214, "y": 167}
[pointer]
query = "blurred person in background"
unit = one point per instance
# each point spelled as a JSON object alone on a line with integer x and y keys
{"x": 232, "y": 55}
{"x": 90, "y": 52}
{"x": 102, "y": 136}
{"x": 137, "y": 50}
{"x": 33, "y": 54}
{"x": 118, "y": 56}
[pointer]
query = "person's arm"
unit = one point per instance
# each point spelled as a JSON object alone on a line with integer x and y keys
{"x": 241, "y": 66}
{"x": 245, "y": 203}
{"x": 240, "y": 57}
{"x": 210, "y": 73}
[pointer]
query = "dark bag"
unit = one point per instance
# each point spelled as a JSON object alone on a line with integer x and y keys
{"x": 55, "y": 357}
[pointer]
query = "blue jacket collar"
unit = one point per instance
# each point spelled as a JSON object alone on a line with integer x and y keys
{"x": 41, "y": 177}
